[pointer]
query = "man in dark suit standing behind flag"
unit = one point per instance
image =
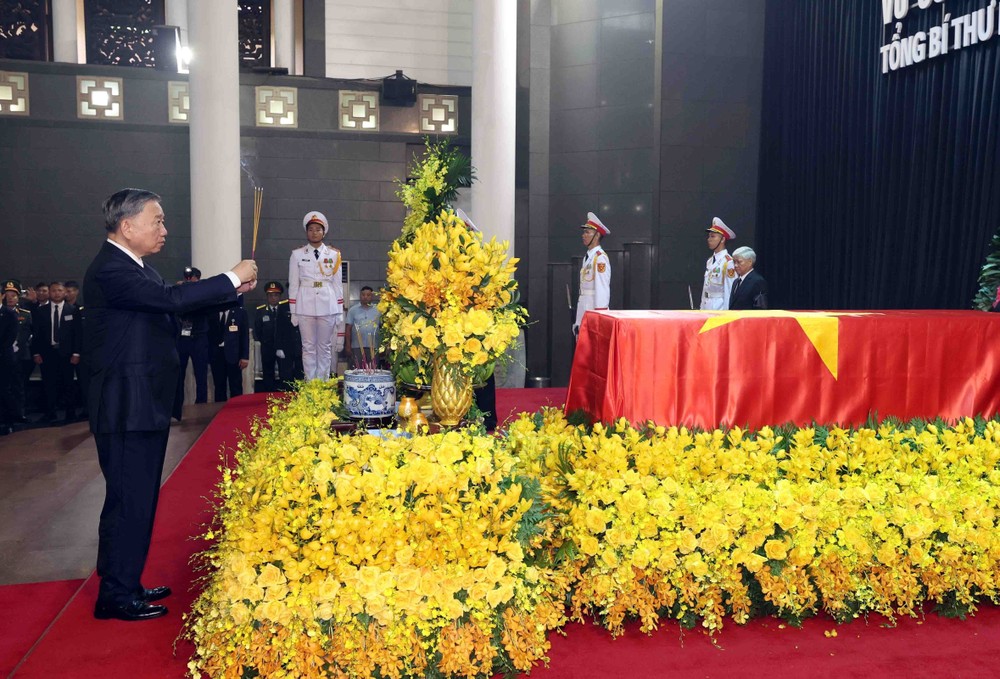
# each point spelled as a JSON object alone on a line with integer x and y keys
{"x": 132, "y": 360}
{"x": 749, "y": 289}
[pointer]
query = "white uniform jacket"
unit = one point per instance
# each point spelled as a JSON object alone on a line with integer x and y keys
{"x": 595, "y": 283}
{"x": 315, "y": 285}
{"x": 720, "y": 272}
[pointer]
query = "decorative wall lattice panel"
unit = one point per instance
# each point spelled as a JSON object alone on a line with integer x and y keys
{"x": 358, "y": 111}
{"x": 14, "y": 99}
{"x": 24, "y": 30}
{"x": 438, "y": 113}
{"x": 119, "y": 31}
{"x": 276, "y": 106}
{"x": 100, "y": 98}
{"x": 178, "y": 102}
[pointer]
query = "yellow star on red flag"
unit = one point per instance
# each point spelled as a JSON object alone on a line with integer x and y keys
{"x": 822, "y": 328}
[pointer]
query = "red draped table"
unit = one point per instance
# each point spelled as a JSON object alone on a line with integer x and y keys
{"x": 754, "y": 368}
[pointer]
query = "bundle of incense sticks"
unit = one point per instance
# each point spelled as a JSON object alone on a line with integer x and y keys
{"x": 368, "y": 357}
{"x": 258, "y": 200}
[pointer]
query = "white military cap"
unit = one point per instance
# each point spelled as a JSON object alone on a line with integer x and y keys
{"x": 719, "y": 227}
{"x": 317, "y": 217}
{"x": 594, "y": 223}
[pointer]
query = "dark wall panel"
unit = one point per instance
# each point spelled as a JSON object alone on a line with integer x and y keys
{"x": 876, "y": 191}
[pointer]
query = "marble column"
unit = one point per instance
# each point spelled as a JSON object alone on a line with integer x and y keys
{"x": 65, "y": 33}
{"x": 214, "y": 136}
{"x": 284, "y": 34}
{"x": 494, "y": 89}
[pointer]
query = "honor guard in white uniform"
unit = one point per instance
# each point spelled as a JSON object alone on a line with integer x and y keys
{"x": 316, "y": 296}
{"x": 595, "y": 274}
{"x": 720, "y": 272}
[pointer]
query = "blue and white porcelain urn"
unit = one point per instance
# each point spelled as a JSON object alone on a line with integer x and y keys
{"x": 369, "y": 393}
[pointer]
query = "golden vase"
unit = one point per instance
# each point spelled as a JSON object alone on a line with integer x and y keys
{"x": 406, "y": 408}
{"x": 451, "y": 392}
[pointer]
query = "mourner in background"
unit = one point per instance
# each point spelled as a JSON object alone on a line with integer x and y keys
{"x": 192, "y": 345}
{"x": 41, "y": 293}
{"x": 72, "y": 292}
{"x": 595, "y": 274}
{"x": 719, "y": 270}
{"x": 280, "y": 344}
{"x": 750, "y": 289}
{"x": 361, "y": 331}
{"x": 8, "y": 368}
{"x": 229, "y": 338}
{"x": 316, "y": 296}
{"x": 29, "y": 299}
{"x": 79, "y": 369}
{"x": 22, "y": 350}
{"x": 55, "y": 348}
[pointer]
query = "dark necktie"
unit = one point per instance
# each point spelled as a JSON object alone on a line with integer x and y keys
{"x": 736, "y": 286}
{"x": 55, "y": 323}
{"x": 316, "y": 253}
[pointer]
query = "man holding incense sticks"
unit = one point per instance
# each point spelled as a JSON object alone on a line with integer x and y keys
{"x": 130, "y": 342}
{"x": 316, "y": 296}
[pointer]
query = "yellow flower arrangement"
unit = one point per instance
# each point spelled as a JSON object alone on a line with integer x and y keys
{"x": 354, "y": 556}
{"x": 448, "y": 293}
{"x": 437, "y": 177}
{"x": 665, "y": 522}
{"x": 455, "y": 554}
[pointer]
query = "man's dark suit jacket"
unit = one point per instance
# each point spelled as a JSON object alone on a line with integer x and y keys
{"x": 752, "y": 293}
{"x": 69, "y": 330}
{"x": 130, "y": 339}
{"x": 235, "y": 345}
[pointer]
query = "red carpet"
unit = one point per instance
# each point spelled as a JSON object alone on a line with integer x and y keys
{"x": 78, "y": 646}
{"x": 512, "y": 402}
{"x": 27, "y": 611}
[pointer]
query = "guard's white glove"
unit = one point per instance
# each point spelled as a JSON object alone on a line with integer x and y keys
{"x": 280, "y": 353}
{"x": 576, "y": 330}
{"x": 14, "y": 347}
{"x": 295, "y": 320}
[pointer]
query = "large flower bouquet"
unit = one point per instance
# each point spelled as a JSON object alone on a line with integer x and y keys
{"x": 358, "y": 556}
{"x": 669, "y": 523}
{"x": 455, "y": 554}
{"x": 448, "y": 293}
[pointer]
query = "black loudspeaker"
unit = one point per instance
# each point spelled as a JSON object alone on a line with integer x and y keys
{"x": 166, "y": 42}
{"x": 399, "y": 90}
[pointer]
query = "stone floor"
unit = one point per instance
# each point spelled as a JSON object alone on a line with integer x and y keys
{"x": 51, "y": 492}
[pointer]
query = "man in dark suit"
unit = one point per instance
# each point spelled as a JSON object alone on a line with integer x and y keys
{"x": 279, "y": 339}
{"x": 229, "y": 338}
{"x": 55, "y": 348}
{"x": 22, "y": 351}
{"x": 132, "y": 358}
{"x": 192, "y": 344}
{"x": 749, "y": 289}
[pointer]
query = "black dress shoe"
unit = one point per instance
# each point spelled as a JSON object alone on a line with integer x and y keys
{"x": 155, "y": 594}
{"x": 137, "y": 609}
